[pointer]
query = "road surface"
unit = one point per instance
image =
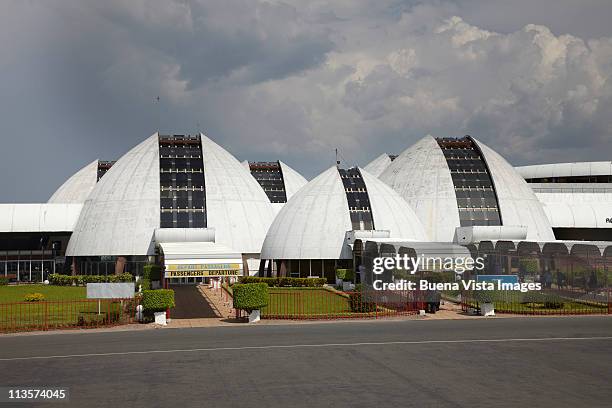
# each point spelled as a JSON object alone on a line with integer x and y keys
{"x": 522, "y": 362}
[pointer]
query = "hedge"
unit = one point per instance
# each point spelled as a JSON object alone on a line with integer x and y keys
{"x": 250, "y": 296}
{"x": 345, "y": 274}
{"x": 152, "y": 272}
{"x": 34, "y": 297}
{"x": 285, "y": 282}
{"x": 67, "y": 280}
{"x": 359, "y": 305}
{"x": 3, "y": 281}
{"x": 144, "y": 283}
{"x": 157, "y": 300}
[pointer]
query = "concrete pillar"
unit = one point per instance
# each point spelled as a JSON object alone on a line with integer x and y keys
{"x": 120, "y": 265}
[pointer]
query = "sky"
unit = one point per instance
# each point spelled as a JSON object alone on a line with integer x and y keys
{"x": 293, "y": 80}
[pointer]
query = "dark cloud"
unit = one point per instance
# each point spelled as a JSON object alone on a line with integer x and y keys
{"x": 293, "y": 80}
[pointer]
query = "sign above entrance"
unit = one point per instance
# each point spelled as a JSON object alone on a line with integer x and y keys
{"x": 202, "y": 270}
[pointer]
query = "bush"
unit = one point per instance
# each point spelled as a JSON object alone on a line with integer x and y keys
{"x": 144, "y": 283}
{"x": 152, "y": 272}
{"x": 553, "y": 301}
{"x": 3, "y": 281}
{"x": 157, "y": 300}
{"x": 250, "y": 296}
{"x": 483, "y": 296}
{"x": 359, "y": 304}
{"x": 285, "y": 281}
{"x": 34, "y": 297}
{"x": 345, "y": 274}
{"x": 67, "y": 280}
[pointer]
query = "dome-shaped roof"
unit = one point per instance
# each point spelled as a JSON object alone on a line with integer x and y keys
{"x": 421, "y": 175}
{"x": 518, "y": 203}
{"x": 378, "y": 165}
{"x": 123, "y": 210}
{"x": 313, "y": 224}
{"x": 77, "y": 188}
{"x": 293, "y": 180}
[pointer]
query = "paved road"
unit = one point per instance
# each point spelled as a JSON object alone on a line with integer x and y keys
{"x": 538, "y": 362}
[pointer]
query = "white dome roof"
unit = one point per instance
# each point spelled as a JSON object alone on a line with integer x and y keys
{"x": 77, "y": 188}
{"x": 123, "y": 210}
{"x": 292, "y": 179}
{"x": 313, "y": 224}
{"x": 378, "y": 165}
{"x": 518, "y": 204}
{"x": 422, "y": 177}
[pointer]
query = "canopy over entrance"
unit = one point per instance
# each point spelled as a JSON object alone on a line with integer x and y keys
{"x": 200, "y": 259}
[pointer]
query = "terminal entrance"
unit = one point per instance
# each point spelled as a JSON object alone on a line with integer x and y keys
{"x": 195, "y": 270}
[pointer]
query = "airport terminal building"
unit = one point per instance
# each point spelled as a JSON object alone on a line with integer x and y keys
{"x": 186, "y": 203}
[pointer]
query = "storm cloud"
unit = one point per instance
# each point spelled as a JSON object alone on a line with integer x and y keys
{"x": 293, "y": 80}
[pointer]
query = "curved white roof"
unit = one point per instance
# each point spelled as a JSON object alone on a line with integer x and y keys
{"x": 578, "y": 214}
{"x": 238, "y": 208}
{"x": 77, "y": 188}
{"x": 575, "y": 197}
{"x": 313, "y": 224}
{"x": 378, "y": 165}
{"x": 518, "y": 205}
{"x": 292, "y": 179}
{"x": 123, "y": 210}
{"x": 421, "y": 176}
{"x": 38, "y": 217}
{"x": 601, "y": 168}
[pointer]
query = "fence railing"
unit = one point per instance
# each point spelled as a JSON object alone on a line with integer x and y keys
{"x": 48, "y": 315}
{"x": 320, "y": 303}
{"x": 546, "y": 302}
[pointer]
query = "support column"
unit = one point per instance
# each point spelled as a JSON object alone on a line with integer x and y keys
{"x": 120, "y": 265}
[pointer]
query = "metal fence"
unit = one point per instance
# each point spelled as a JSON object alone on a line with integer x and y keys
{"x": 49, "y": 315}
{"x": 320, "y": 303}
{"x": 546, "y": 302}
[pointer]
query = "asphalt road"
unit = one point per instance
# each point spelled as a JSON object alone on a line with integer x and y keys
{"x": 537, "y": 362}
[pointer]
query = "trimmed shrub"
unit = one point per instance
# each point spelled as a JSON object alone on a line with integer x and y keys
{"x": 285, "y": 281}
{"x": 3, "y": 281}
{"x": 144, "y": 283}
{"x": 152, "y": 272}
{"x": 345, "y": 274}
{"x": 157, "y": 300}
{"x": 34, "y": 297}
{"x": 250, "y": 296}
{"x": 68, "y": 280}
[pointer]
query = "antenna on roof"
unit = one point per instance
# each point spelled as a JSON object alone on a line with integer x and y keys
{"x": 158, "y": 113}
{"x": 337, "y": 160}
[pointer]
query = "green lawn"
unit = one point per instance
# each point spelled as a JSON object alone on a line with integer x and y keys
{"x": 15, "y": 293}
{"x": 305, "y": 302}
{"x": 65, "y": 306}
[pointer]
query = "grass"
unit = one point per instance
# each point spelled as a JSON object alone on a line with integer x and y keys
{"x": 64, "y": 306}
{"x": 305, "y": 302}
{"x": 16, "y": 293}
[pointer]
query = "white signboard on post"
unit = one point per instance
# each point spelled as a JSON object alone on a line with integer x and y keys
{"x": 123, "y": 290}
